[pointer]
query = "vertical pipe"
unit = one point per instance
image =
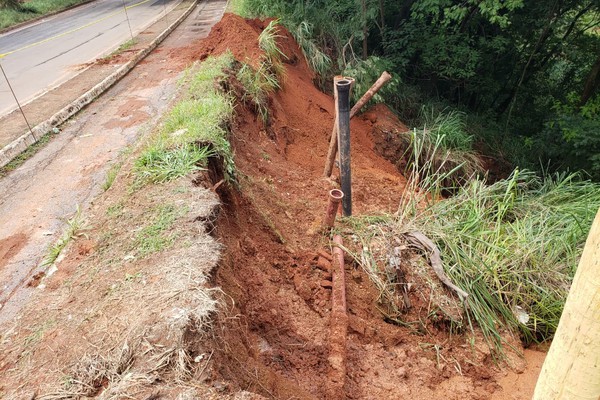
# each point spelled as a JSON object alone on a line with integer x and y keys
{"x": 343, "y": 88}
{"x": 335, "y": 197}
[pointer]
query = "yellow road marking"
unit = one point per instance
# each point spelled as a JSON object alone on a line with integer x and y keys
{"x": 2, "y": 55}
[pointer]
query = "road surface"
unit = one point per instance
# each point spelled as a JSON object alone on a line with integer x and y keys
{"x": 38, "y": 197}
{"x": 45, "y": 54}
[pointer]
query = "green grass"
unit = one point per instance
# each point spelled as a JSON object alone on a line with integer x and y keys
{"x": 449, "y": 125}
{"x": 157, "y": 236}
{"x": 122, "y": 48}
{"x": 317, "y": 60}
{"x": 32, "y": 9}
{"x": 267, "y": 41}
{"x": 194, "y": 130}
{"x": 26, "y": 155}
{"x": 111, "y": 175}
{"x": 159, "y": 164}
{"x": 74, "y": 226}
{"x": 258, "y": 85}
{"x": 511, "y": 244}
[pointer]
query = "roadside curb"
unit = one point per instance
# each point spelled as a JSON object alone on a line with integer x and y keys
{"x": 17, "y": 146}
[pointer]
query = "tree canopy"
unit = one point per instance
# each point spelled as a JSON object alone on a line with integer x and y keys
{"x": 526, "y": 73}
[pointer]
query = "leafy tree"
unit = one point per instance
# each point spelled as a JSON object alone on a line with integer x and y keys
{"x": 531, "y": 67}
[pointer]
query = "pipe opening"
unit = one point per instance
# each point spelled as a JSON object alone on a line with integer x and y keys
{"x": 336, "y": 194}
{"x": 343, "y": 83}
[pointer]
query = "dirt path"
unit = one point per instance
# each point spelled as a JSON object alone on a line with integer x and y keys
{"x": 38, "y": 198}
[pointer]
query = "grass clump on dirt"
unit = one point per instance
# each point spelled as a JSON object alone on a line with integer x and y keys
{"x": 194, "y": 130}
{"x": 14, "y": 12}
{"x": 262, "y": 81}
{"x": 74, "y": 226}
{"x": 512, "y": 245}
{"x": 439, "y": 156}
{"x": 156, "y": 236}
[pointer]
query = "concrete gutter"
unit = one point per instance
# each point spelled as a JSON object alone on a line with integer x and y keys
{"x": 17, "y": 146}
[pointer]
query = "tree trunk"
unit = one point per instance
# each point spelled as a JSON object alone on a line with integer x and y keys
{"x": 365, "y": 49}
{"x": 591, "y": 84}
{"x": 572, "y": 367}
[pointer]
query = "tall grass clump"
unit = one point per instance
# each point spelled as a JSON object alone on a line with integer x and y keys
{"x": 434, "y": 166}
{"x": 318, "y": 61}
{"x": 194, "y": 130}
{"x": 449, "y": 125}
{"x": 258, "y": 85}
{"x": 513, "y": 245}
{"x": 260, "y": 82}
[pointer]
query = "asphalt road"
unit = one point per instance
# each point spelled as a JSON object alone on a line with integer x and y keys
{"x": 45, "y": 54}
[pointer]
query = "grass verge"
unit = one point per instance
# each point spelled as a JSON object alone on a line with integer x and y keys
{"x": 33, "y": 9}
{"x": 194, "y": 130}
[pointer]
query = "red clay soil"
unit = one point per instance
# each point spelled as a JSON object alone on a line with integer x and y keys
{"x": 11, "y": 246}
{"x": 274, "y": 339}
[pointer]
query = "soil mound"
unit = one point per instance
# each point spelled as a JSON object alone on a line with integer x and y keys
{"x": 277, "y": 344}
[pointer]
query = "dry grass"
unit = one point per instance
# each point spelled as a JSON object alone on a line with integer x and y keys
{"x": 126, "y": 321}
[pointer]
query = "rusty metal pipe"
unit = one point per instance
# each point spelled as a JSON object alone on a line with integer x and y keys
{"x": 335, "y": 198}
{"x": 338, "y": 327}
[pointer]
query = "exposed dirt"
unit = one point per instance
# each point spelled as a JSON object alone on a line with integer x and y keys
{"x": 272, "y": 338}
{"x": 11, "y": 246}
{"x": 278, "y": 343}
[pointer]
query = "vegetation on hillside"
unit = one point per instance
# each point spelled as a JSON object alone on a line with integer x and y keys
{"x": 519, "y": 80}
{"x": 527, "y": 74}
{"x": 194, "y": 130}
{"x": 513, "y": 245}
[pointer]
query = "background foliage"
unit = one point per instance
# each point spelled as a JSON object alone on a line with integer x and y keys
{"x": 526, "y": 74}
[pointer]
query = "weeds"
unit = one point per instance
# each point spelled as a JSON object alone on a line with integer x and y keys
{"x": 258, "y": 85}
{"x": 154, "y": 237}
{"x": 512, "y": 245}
{"x": 26, "y": 155}
{"x": 449, "y": 125}
{"x": 158, "y": 164}
{"x": 121, "y": 49}
{"x": 194, "y": 130}
{"x": 434, "y": 167}
{"x": 74, "y": 227}
{"x": 317, "y": 60}
{"x": 267, "y": 41}
{"x": 111, "y": 175}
